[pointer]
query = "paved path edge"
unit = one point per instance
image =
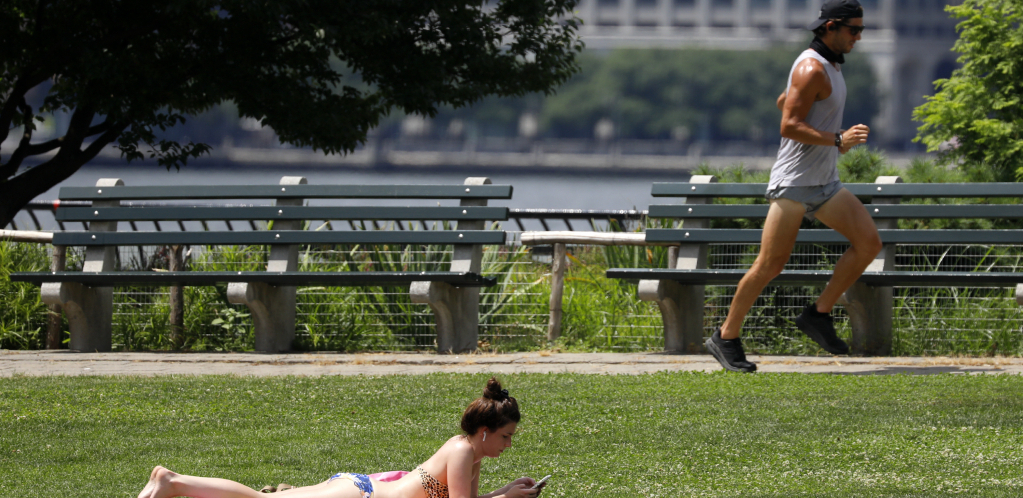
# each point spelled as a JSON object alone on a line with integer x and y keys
{"x": 63, "y": 362}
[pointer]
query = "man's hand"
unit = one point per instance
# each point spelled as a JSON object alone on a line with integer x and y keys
{"x": 854, "y": 136}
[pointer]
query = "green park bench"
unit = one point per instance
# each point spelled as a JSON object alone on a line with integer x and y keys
{"x": 679, "y": 289}
{"x": 453, "y": 295}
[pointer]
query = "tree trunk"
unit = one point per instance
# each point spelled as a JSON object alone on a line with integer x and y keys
{"x": 20, "y": 189}
{"x": 17, "y": 192}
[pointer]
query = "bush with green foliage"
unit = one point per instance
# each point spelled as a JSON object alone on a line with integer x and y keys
{"x": 976, "y": 116}
{"x": 713, "y": 94}
{"x": 23, "y": 315}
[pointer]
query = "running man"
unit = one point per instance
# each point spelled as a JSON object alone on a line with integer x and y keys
{"x": 804, "y": 183}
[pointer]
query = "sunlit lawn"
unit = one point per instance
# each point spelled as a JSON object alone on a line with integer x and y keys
{"x": 664, "y": 435}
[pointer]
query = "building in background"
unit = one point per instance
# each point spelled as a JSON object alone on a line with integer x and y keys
{"x": 908, "y": 41}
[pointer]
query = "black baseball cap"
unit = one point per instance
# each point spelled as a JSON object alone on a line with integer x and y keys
{"x": 837, "y": 9}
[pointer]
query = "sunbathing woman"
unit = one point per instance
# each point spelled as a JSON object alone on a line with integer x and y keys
{"x": 452, "y": 472}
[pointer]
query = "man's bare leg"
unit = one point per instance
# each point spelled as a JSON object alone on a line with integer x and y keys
{"x": 845, "y": 214}
{"x": 777, "y": 240}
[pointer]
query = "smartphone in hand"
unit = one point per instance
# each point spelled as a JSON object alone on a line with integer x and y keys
{"x": 541, "y": 483}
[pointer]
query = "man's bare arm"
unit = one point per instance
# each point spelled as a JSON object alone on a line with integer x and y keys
{"x": 810, "y": 84}
{"x": 781, "y": 101}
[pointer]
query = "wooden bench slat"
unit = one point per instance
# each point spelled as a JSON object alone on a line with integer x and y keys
{"x": 261, "y": 213}
{"x": 194, "y": 278}
{"x": 195, "y": 192}
{"x": 672, "y": 189}
{"x": 885, "y": 279}
{"x": 270, "y": 237}
{"x": 932, "y": 190}
{"x": 880, "y": 211}
{"x": 827, "y": 236}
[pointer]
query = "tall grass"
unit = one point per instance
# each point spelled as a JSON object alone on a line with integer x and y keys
{"x": 23, "y": 315}
{"x": 599, "y": 314}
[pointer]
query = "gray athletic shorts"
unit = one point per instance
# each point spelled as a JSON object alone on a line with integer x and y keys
{"x": 812, "y": 198}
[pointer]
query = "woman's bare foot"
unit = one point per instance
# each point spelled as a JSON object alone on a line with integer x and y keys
{"x": 159, "y": 485}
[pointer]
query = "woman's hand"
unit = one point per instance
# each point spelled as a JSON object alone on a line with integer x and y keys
{"x": 518, "y": 488}
{"x": 521, "y": 491}
{"x": 527, "y": 481}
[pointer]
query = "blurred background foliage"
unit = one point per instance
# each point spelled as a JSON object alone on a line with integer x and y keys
{"x": 689, "y": 96}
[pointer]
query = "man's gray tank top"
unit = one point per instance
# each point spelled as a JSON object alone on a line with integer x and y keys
{"x": 802, "y": 165}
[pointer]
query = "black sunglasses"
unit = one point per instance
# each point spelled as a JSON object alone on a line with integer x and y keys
{"x": 853, "y": 30}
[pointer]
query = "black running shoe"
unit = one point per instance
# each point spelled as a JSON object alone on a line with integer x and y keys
{"x": 729, "y": 353}
{"x": 821, "y": 328}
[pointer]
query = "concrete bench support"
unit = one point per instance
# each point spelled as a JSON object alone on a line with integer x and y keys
{"x": 89, "y": 309}
{"x": 273, "y": 307}
{"x": 55, "y": 322}
{"x": 457, "y": 308}
{"x": 682, "y": 305}
{"x": 870, "y": 309}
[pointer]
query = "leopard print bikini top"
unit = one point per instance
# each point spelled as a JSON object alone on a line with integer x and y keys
{"x": 433, "y": 487}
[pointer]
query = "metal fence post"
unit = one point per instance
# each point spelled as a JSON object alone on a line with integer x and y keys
{"x": 177, "y": 299}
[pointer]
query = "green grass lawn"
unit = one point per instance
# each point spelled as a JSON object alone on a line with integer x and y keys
{"x": 667, "y": 435}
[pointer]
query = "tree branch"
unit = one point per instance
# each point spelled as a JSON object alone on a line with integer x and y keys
{"x": 111, "y": 134}
{"x": 11, "y": 107}
{"x": 45, "y": 147}
{"x": 21, "y": 189}
{"x": 24, "y": 187}
{"x": 77, "y": 130}
{"x": 25, "y": 149}
{"x": 8, "y": 170}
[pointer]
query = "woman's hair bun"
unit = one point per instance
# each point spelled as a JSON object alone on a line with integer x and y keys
{"x": 494, "y": 391}
{"x": 493, "y": 410}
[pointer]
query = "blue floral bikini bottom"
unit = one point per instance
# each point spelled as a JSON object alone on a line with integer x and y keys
{"x": 361, "y": 481}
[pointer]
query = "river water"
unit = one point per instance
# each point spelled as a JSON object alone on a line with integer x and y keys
{"x": 551, "y": 190}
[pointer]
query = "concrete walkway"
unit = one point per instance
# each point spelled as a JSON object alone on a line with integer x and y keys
{"x": 39, "y": 363}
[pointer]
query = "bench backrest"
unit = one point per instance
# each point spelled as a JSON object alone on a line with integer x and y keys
{"x": 287, "y": 216}
{"x": 469, "y": 218}
{"x": 889, "y": 194}
{"x": 918, "y": 190}
{"x": 882, "y": 201}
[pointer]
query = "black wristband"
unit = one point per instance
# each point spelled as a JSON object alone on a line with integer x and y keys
{"x": 838, "y": 139}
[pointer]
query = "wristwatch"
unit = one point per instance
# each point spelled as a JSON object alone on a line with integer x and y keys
{"x": 838, "y": 139}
